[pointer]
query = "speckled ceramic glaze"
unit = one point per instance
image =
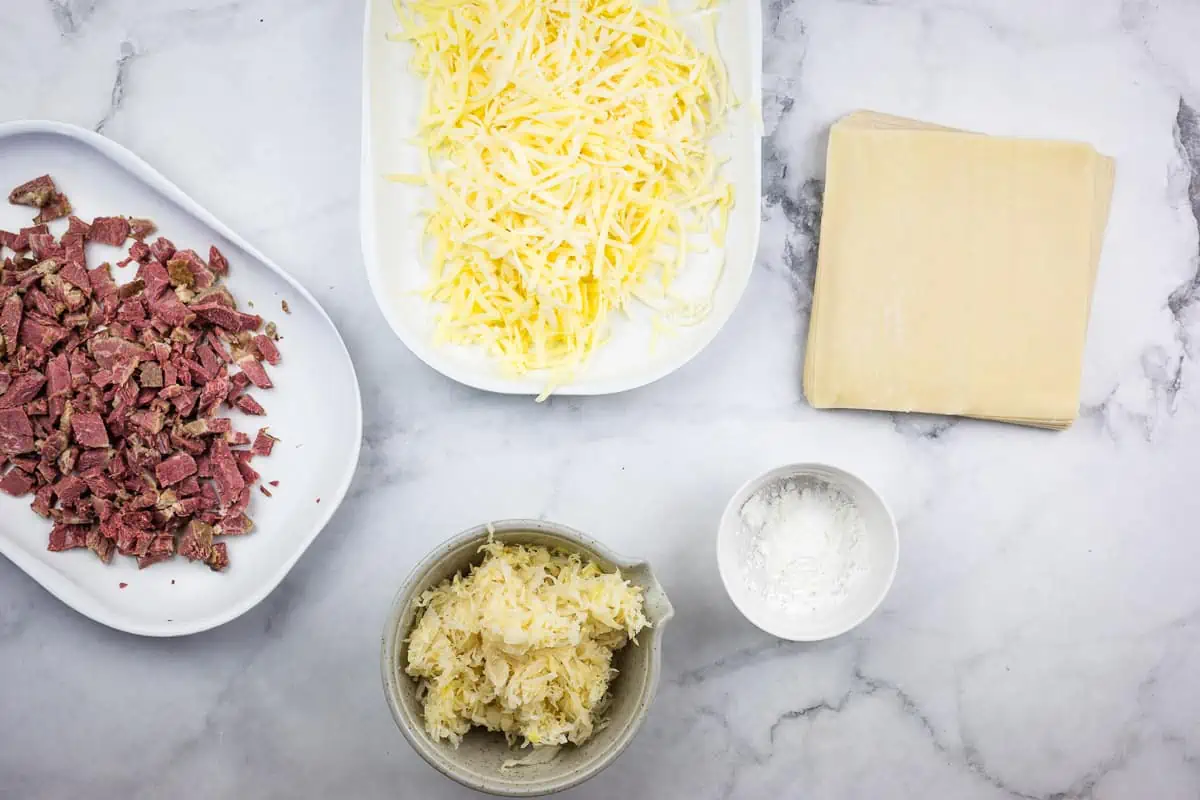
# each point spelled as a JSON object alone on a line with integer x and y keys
{"x": 476, "y": 762}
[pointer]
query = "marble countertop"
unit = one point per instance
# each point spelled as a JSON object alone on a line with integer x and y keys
{"x": 1043, "y": 635}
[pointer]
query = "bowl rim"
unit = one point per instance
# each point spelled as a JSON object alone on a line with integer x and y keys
{"x": 821, "y": 469}
{"x": 414, "y": 584}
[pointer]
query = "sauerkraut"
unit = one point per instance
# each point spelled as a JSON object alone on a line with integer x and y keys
{"x": 523, "y": 645}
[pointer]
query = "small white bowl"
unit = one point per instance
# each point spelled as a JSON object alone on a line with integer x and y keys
{"x": 865, "y": 593}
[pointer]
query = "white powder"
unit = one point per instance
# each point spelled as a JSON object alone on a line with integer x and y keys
{"x": 802, "y": 544}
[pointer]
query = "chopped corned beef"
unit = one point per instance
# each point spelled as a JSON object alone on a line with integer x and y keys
{"x": 16, "y": 432}
{"x": 197, "y": 542}
{"x": 70, "y": 489}
{"x": 68, "y": 537}
{"x": 77, "y": 227}
{"x": 140, "y": 228}
{"x": 218, "y": 557}
{"x": 162, "y": 249}
{"x": 58, "y": 376}
{"x": 227, "y": 318}
{"x": 24, "y": 463}
{"x": 267, "y": 349}
{"x": 263, "y": 443}
{"x": 175, "y": 469}
{"x": 217, "y": 262}
{"x": 236, "y": 525}
{"x": 39, "y": 332}
{"x": 22, "y": 389}
{"x": 254, "y": 371}
{"x": 58, "y": 207}
{"x": 186, "y": 268}
{"x": 151, "y": 376}
{"x": 110, "y": 230}
{"x": 16, "y": 483}
{"x": 88, "y": 429}
{"x": 109, "y": 394}
{"x": 249, "y": 474}
{"x": 226, "y": 475}
{"x": 249, "y": 405}
{"x": 77, "y": 275}
{"x": 100, "y": 545}
{"x": 10, "y": 319}
{"x": 36, "y": 193}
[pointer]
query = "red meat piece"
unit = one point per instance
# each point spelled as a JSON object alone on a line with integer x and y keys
{"x": 226, "y": 475}
{"x": 249, "y": 405}
{"x": 37, "y": 193}
{"x": 175, "y": 469}
{"x": 16, "y": 433}
{"x": 88, "y": 429}
{"x": 16, "y": 483}
{"x": 101, "y": 281}
{"x": 23, "y": 388}
{"x": 140, "y": 228}
{"x": 58, "y": 207}
{"x": 226, "y": 317}
{"x": 167, "y": 307}
{"x": 77, "y": 227}
{"x": 100, "y": 545}
{"x": 110, "y": 230}
{"x": 190, "y": 270}
{"x": 249, "y": 474}
{"x": 196, "y": 544}
{"x": 267, "y": 350}
{"x": 162, "y": 249}
{"x": 236, "y": 525}
{"x": 10, "y": 318}
{"x": 77, "y": 275}
{"x": 212, "y": 394}
{"x": 218, "y": 347}
{"x": 58, "y": 375}
{"x": 70, "y": 489}
{"x": 218, "y": 557}
{"x": 140, "y": 252}
{"x": 217, "y": 262}
{"x": 255, "y": 372}
{"x": 68, "y": 537}
{"x": 41, "y": 332}
{"x": 239, "y": 383}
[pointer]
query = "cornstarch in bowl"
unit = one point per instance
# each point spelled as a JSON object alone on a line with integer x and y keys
{"x": 803, "y": 543}
{"x": 807, "y": 551}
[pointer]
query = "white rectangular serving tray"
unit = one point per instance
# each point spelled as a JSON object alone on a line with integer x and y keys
{"x": 635, "y": 353}
{"x": 314, "y": 407}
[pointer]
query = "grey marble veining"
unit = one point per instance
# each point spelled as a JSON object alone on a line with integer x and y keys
{"x": 1042, "y": 639}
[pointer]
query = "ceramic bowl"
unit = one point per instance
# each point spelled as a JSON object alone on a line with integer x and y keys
{"x": 864, "y": 593}
{"x": 477, "y": 761}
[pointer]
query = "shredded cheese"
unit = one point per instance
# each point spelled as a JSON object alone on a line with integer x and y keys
{"x": 522, "y": 645}
{"x": 567, "y": 150}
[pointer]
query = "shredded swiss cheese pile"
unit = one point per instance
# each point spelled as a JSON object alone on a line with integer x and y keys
{"x": 567, "y": 147}
{"x": 522, "y": 645}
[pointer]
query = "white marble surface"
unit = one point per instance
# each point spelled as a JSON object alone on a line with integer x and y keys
{"x": 1043, "y": 636}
